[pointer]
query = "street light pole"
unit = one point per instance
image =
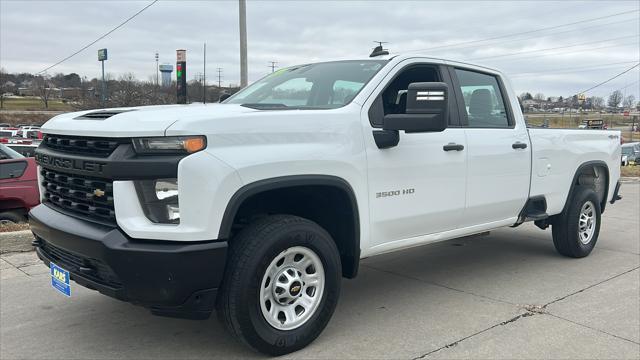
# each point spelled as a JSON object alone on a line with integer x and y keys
{"x": 243, "y": 43}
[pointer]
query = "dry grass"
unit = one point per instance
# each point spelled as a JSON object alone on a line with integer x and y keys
{"x": 25, "y": 118}
{"x": 14, "y": 227}
{"x": 630, "y": 171}
{"x": 30, "y": 103}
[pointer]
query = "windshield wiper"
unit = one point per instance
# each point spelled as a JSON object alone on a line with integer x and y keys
{"x": 266, "y": 106}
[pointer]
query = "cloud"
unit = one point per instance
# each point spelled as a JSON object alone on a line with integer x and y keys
{"x": 35, "y": 34}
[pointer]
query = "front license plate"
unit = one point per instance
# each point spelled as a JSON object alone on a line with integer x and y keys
{"x": 60, "y": 279}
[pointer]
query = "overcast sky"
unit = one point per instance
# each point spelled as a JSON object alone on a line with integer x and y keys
{"x": 36, "y": 34}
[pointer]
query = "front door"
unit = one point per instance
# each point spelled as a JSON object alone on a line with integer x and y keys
{"x": 417, "y": 187}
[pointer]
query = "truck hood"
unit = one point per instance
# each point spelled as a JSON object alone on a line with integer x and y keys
{"x": 136, "y": 121}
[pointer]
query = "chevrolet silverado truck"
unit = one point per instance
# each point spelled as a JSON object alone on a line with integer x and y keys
{"x": 257, "y": 206}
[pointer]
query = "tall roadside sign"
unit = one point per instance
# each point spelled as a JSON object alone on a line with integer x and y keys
{"x": 181, "y": 76}
{"x": 102, "y": 56}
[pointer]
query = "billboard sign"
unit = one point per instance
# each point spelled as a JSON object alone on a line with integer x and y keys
{"x": 102, "y": 54}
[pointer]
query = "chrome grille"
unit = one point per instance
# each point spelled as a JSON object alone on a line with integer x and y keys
{"x": 101, "y": 147}
{"x": 87, "y": 197}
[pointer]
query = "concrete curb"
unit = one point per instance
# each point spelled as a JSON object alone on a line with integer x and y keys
{"x": 16, "y": 241}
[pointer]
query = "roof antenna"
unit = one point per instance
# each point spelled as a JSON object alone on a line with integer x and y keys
{"x": 378, "y": 50}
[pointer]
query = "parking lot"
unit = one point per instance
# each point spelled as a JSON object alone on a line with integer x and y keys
{"x": 503, "y": 295}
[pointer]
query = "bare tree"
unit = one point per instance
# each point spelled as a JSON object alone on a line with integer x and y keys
{"x": 42, "y": 88}
{"x": 127, "y": 91}
{"x": 597, "y": 102}
{"x": 525, "y": 96}
{"x": 615, "y": 99}
{"x": 3, "y": 81}
{"x": 629, "y": 102}
{"x": 539, "y": 97}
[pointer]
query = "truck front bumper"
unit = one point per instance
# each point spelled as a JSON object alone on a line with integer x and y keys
{"x": 170, "y": 278}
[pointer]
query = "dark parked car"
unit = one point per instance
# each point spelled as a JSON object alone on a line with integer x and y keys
{"x": 632, "y": 151}
{"x": 18, "y": 186}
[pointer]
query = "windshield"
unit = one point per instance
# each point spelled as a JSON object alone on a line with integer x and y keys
{"x": 627, "y": 150}
{"x": 8, "y": 153}
{"x": 326, "y": 85}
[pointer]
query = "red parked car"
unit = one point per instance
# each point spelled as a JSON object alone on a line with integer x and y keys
{"x": 18, "y": 186}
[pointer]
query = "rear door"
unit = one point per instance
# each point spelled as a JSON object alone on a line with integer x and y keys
{"x": 498, "y": 148}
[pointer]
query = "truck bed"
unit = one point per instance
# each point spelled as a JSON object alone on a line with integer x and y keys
{"x": 558, "y": 153}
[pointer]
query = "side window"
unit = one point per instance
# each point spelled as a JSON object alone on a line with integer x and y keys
{"x": 12, "y": 170}
{"x": 394, "y": 97}
{"x": 483, "y": 100}
{"x": 393, "y": 100}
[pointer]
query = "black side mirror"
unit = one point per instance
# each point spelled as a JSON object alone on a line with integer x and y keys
{"x": 427, "y": 109}
{"x": 223, "y": 97}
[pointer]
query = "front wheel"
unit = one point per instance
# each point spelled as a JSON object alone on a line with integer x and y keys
{"x": 11, "y": 218}
{"x": 281, "y": 284}
{"x": 575, "y": 230}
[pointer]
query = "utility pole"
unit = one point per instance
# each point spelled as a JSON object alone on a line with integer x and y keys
{"x": 219, "y": 77}
{"x": 204, "y": 76}
{"x": 273, "y": 66}
{"x": 157, "y": 69}
{"x": 244, "y": 81}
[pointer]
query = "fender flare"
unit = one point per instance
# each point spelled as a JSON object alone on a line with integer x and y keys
{"x": 572, "y": 187}
{"x": 281, "y": 182}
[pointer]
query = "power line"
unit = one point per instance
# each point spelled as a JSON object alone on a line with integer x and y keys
{"x": 611, "y": 78}
{"x": 554, "y": 48}
{"x": 525, "y": 32}
{"x": 572, "y": 69}
{"x": 575, "y": 51}
{"x": 633, "y": 83}
{"x": 548, "y": 35}
{"x": 100, "y": 38}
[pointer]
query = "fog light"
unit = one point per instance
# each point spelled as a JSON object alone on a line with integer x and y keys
{"x": 159, "y": 200}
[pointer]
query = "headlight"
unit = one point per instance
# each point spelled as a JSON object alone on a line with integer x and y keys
{"x": 159, "y": 200}
{"x": 169, "y": 145}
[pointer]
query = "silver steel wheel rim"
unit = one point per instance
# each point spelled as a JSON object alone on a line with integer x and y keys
{"x": 291, "y": 288}
{"x": 587, "y": 222}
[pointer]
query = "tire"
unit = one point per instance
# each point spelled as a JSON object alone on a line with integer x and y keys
{"x": 10, "y": 217}
{"x": 575, "y": 233}
{"x": 275, "y": 243}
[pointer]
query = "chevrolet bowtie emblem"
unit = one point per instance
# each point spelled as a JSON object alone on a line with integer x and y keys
{"x": 98, "y": 192}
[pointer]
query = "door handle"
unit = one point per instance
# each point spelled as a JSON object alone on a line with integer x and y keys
{"x": 452, "y": 147}
{"x": 519, "y": 145}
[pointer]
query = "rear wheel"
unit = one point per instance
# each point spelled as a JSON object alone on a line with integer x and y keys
{"x": 576, "y": 230}
{"x": 281, "y": 285}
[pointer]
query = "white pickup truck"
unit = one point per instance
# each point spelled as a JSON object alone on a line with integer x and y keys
{"x": 256, "y": 207}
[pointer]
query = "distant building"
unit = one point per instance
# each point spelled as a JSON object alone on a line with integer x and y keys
{"x": 25, "y": 91}
{"x": 69, "y": 92}
{"x": 166, "y": 70}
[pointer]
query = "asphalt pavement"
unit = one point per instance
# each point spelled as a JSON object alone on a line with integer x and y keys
{"x": 503, "y": 295}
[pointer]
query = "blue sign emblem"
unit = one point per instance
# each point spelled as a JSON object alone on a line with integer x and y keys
{"x": 60, "y": 279}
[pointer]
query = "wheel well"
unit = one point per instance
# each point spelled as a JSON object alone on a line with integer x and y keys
{"x": 596, "y": 176}
{"x": 331, "y": 205}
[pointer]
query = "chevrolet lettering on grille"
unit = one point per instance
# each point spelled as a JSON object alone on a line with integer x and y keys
{"x": 73, "y": 164}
